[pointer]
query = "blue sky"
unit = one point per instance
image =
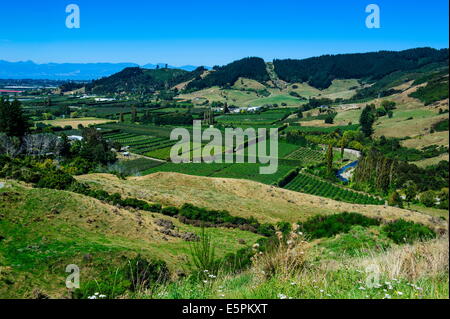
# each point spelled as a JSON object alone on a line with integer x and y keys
{"x": 210, "y": 32}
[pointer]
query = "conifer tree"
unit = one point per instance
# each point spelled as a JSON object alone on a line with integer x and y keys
{"x": 13, "y": 121}
{"x": 366, "y": 120}
{"x": 329, "y": 159}
{"x": 133, "y": 115}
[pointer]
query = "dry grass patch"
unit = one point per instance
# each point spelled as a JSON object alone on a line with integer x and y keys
{"x": 419, "y": 142}
{"x": 412, "y": 262}
{"x": 244, "y": 198}
{"x": 86, "y": 121}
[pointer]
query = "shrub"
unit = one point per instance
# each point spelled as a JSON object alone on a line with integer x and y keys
{"x": 55, "y": 179}
{"x": 267, "y": 230}
{"x": 238, "y": 261}
{"x": 428, "y": 198}
{"x": 395, "y": 199}
{"x": 356, "y": 242}
{"x": 284, "y": 227}
{"x": 143, "y": 273}
{"x": 402, "y": 232}
{"x": 170, "y": 211}
{"x": 327, "y": 226}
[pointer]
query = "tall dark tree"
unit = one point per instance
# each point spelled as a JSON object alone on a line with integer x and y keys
{"x": 95, "y": 148}
{"x": 13, "y": 121}
{"x": 329, "y": 159}
{"x": 133, "y": 115}
{"x": 65, "y": 146}
{"x": 366, "y": 121}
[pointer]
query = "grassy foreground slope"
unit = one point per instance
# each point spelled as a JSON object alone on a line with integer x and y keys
{"x": 243, "y": 198}
{"x": 418, "y": 271}
{"x": 42, "y": 231}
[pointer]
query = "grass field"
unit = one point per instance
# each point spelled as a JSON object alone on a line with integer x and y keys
{"x": 236, "y": 170}
{"x": 419, "y": 142}
{"x": 46, "y": 230}
{"x": 99, "y": 239}
{"x": 157, "y": 131}
{"x": 432, "y": 161}
{"x": 137, "y": 165}
{"x": 418, "y": 271}
{"x": 243, "y": 93}
{"x": 322, "y": 129}
{"x": 267, "y": 117}
{"x": 85, "y": 121}
{"x": 265, "y": 202}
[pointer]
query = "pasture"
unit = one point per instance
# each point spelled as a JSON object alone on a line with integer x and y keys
{"x": 85, "y": 121}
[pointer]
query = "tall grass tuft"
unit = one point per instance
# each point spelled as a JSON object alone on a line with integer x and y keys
{"x": 413, "y": 261}
{"x": 202, "y": 254}
{"x": 285, "y": 257}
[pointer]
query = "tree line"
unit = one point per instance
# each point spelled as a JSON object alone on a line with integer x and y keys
{"x": 320, "y": 71}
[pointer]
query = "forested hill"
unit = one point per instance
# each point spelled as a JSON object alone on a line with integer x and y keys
{"x": 321, "y": 71}
{"x": 251, "y": 68}
{"x": 140, "y": 80}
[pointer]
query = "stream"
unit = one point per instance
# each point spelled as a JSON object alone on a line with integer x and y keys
{"x": 344, "y": 169}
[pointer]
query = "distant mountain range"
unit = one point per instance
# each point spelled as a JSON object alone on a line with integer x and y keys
{"x": 70, "y": 71}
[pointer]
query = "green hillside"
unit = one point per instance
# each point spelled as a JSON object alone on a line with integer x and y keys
{"x": 251, "y": 68}
{"x": 321, "y": 71}
{"x": 138, "y": 80}
{"x": 42, "y": 231}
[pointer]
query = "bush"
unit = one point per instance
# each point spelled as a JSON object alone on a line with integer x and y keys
{"x": 358, "y": 241}
{"x": 267, "y": 230}
{"x": 428, "y": 198}
{"x": 238, "y": 261}
{"x": 328, "y": 226}
{"x": 55, "y": 179}
{"x": 170, "y": 211}
{"x": 143, "y": 273}
{"x": 406, "y": 232}
{"x": 395, "y": 199}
